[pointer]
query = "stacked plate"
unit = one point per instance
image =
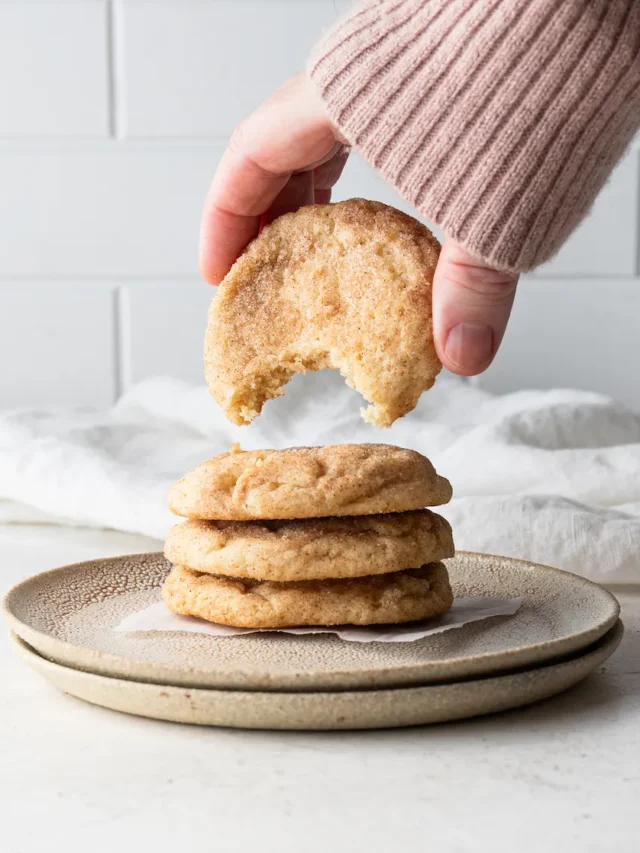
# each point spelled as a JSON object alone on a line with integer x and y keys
{"x": 63, "y": 626}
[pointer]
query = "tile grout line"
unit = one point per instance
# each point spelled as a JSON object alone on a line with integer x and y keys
{"x": 122, "y": 341}
{"x": 173, "y": 143}
{"x": 108, "y": 279}
{"x": 111, "y": 83}
{"x": 637, "y": 212}
{"x": 133, "y": 279}
{"x": 114, "y": 75}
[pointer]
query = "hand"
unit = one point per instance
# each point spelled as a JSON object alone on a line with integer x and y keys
{"x": 284, "y": 155}
{"x": 288, "y": 154}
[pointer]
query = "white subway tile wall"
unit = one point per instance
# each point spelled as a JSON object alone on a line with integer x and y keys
{"x": 103, "y": 210}
{"x": 164, "y": 325}
{"x": 568, "y": 333}
{"x": 57, "y": 343}
{"x": 113, "y": 115}
{"x": 196, "y": 69}
{"x": 54, "y": 69}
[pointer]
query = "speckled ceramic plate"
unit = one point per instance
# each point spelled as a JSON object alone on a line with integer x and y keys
{"x": 68, "y": 615}
{"x": 364, "y": 709}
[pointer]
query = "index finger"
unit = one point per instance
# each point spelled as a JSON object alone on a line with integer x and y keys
{"x": 240, "y": 193}
{"x": 290, "y": 132}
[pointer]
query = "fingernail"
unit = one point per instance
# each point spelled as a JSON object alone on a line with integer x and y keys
{"x": 469, "y": 346}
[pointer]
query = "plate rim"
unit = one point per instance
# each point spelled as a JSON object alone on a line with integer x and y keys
{"x": 404, "y": 672}
{"x": 343, "y": 701}
{"x": 614, "y": 634}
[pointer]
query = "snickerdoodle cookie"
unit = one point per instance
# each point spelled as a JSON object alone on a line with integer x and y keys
{"x": 344, "y": 285}
{"x": 399, "y": 597}
{"x": 309, "y": 482}
{"x": 310, "y": 549}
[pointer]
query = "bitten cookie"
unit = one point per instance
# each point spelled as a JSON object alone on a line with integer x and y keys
{"x": 310, "y": 549}
{"x": 309, "y": 482}
{"x": 344, "y": 285}
{"x": 400, "y": 597}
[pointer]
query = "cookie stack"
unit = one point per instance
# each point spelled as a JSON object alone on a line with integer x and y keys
{"x": 310, "y": 536}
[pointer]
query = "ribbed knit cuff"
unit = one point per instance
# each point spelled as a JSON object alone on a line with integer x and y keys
{"x": 499, "y": 120}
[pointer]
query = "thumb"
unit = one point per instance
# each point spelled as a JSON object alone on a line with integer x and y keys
{"x": 471, "y": 306}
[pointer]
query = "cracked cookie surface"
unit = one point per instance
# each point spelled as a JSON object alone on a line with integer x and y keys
{"x": 308, "y": 549}
{"x": 309, "y": 482}
{"x": 400, "y": 597}
{"x": 346, "y": 286}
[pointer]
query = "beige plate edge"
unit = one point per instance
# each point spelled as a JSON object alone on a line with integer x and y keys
{"x": 409, "y": 706}
{"x": 107, "y": 664}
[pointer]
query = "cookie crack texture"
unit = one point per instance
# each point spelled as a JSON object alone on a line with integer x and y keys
{"x": 309, "y": 482}
{"x": 399, "y": 597}
{"x": 344, "y": 286}
{"x": 311, "y": 549}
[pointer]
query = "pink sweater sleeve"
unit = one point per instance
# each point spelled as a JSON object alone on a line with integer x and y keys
{"x": 499, "y": 120}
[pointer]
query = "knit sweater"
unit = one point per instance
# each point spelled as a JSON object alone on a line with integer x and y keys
{"x": 499, "y": 120}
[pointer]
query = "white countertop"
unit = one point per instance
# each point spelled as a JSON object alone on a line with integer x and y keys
{"x": 563, "y": 775}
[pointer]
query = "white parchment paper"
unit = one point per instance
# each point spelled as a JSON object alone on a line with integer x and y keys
{"x": 158, "y": 617}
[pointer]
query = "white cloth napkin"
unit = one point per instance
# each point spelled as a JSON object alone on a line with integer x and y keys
{"x": 549, "y": 476}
